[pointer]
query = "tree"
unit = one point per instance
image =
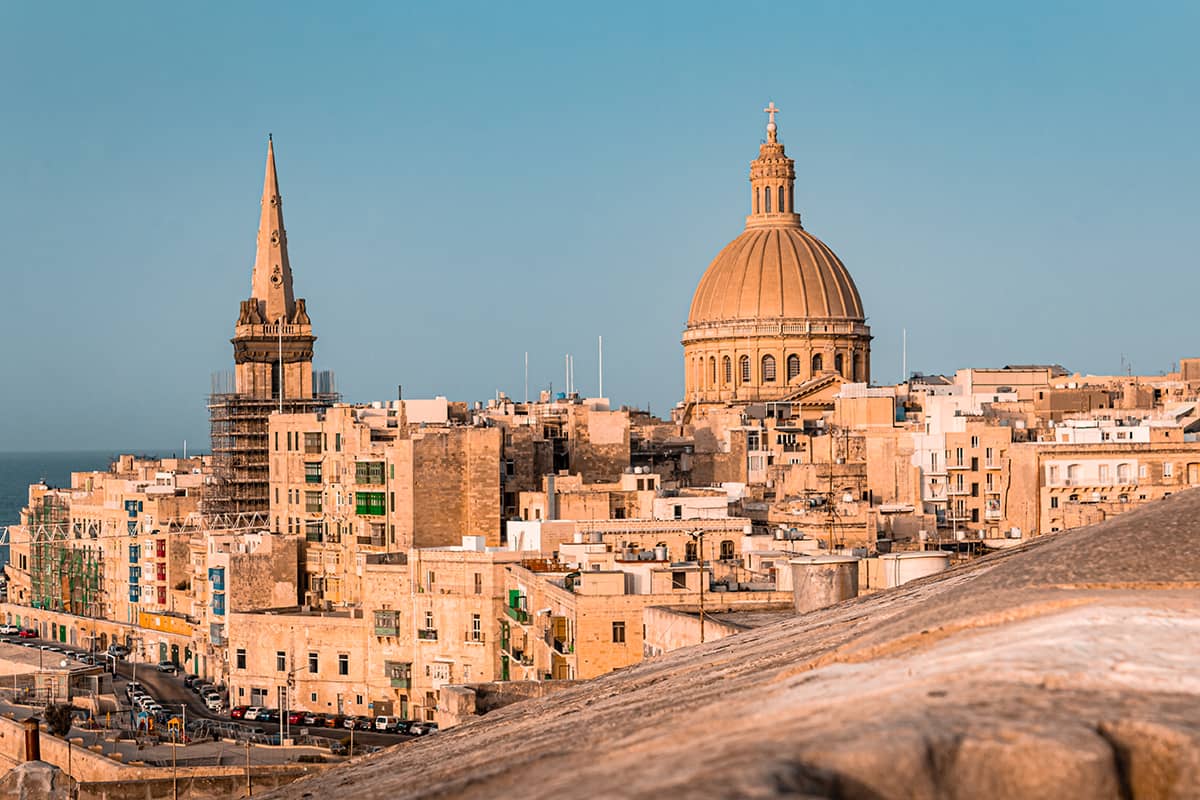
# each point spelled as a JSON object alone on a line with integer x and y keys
{"x": 58, "y": 719}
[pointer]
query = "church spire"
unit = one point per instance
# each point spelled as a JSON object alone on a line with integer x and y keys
{"x": 271, "y": 284}
{"x": 772, "y": 181}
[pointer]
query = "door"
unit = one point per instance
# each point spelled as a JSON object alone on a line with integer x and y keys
{"x": 175, "y": 654}
{"x": 1193, "y": 473}
{"x": 162, "y": 651}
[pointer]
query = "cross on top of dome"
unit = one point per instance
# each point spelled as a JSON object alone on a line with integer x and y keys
{"x": 771, "y": 110}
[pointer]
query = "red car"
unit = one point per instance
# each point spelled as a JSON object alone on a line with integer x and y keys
{"x": 237, "y": 712}
{"x": 296, "y": 717}
{"x": 26, "y": 633}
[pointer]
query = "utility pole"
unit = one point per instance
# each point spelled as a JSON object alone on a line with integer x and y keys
{"x": 249, "y": 787}
{"x": 699, "y": 537}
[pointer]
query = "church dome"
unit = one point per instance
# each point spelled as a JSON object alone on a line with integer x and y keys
{"x": 776, "y": 308}
{"x": 775, "y": 272}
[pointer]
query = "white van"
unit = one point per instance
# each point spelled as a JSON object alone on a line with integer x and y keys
{"x": 386, "y": 723}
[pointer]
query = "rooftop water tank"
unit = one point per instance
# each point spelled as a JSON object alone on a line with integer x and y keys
{"x": 900, "y": 568}
{"x": 821, "y": 581}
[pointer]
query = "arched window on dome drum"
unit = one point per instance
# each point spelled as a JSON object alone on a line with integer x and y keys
{"x": 782, "y": 207}
{"x": 767, "y": 199}
{"x": 728, "y": 370}
{"x": 755, "y": 201}
{"x": 744, "y": 363}
{"x": 818, "y": 364}
{"x": 857, "y": 367}
{"x": 768, "y": 369}
{"x": 793, "y": 366}
{"x": 712, "y": 370}
{"x": 837, "y": 363}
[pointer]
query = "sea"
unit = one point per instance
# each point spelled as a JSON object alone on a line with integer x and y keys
{"x": 18, "y": 470}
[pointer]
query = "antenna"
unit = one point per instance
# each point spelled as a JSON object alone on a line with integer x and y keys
{"x": 526, "y": 376}
{"x": 904, "y": 355}
{"x": 600, "y": 344}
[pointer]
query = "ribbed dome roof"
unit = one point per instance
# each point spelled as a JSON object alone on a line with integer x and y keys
{"x": 775, "y": 272}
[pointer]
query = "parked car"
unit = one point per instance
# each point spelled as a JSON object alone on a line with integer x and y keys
{"x": 385, "y": 723}
{"x": 252, "y": 712}
{"x": 268, "y": 715}
{"x": 423, "y": 728}
{"x": 26, "y": 633}
{"x": 118, "y": 650}
{"x": 238, "y": 712}
{"x": 190, "y": 680}
{"x": 314, "y": 719}
{"x": 213, "y": 703}
{"x": 9, "y": 630}
{"x": 335, "y": 721}
{"x": 132, "y": 687}
{"x": 296, "y": 717}
{"x": 167, "y": 667}
{"x": 200, "y": 686}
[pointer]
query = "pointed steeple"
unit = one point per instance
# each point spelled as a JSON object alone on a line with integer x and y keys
{"x": 271, "y": 284}
{"x": 772, "y": 182}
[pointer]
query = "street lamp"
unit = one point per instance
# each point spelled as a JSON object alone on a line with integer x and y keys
{"x": 699, "y": 537}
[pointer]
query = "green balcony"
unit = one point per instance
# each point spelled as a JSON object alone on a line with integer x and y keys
{"x": 387, "y": 630}
{"x": 427, "y": 634}
{"x": 401, "y": 683}
{"x": 518, "y": 614}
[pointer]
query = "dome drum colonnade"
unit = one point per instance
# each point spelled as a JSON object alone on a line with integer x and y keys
{"x": 776, "y": 307}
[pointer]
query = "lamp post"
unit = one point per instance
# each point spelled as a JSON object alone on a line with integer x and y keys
{"x": 699, "y": 537}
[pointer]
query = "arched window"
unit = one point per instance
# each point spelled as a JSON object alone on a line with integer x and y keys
{"x": 1072, "y": 475}
{"x": 728, "y": 370}
{"x": 712, "y": 370}
{"x": 744, "y": 363}
{"x": 793, "y": 366}
{"x": 858, "y": 368}
{"x": 727, "y": 550}
{"x": 755, "y": 201}
{"x": 782, "y": 207}
{"x": 818, "y": 364}
{"x": 837, "y": 363}
{"x": 1123, "y": 473}
{"x": 691, "y": 552}
{"x": 767, "y": 199}
{"x": 768, "y": 369}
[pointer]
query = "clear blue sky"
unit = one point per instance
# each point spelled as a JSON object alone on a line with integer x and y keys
{"x": 464, "y": 182}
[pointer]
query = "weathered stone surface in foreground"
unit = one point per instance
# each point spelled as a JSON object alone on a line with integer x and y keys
{"x": 1069, "y": 668}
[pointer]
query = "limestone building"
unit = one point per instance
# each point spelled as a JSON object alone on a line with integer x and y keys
{"x": 776, "y": 308}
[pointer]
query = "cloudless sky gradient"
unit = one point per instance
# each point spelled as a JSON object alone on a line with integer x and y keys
{"x": 465, "y": 182}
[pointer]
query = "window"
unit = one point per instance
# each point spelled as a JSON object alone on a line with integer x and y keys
{"x": 312, "y": 697}
{"x": 312, "y": 472}
{"x": 428, "y": 620}
{"x": 690, "y": 551}
{"x": 337, "y": 442}
{"x": 712, "y": 369}
{"x": 1142, "y": 470}
{"x": 1054, "y": 502}
{"x": 974, "y": 442}
{"x": 280, "y": 661}
{"x": 1104, "y": 473}
{"x": 678, "y": 581}
{"x": 728, "y": 370}
{"x": 369, "y": 503}
{"x": 619, "y": 631}
{"x": 817, "y": 363}
{"x": 277, "y": 440}
{"x": 793, "y": 366}
{"x": 476, "y": 628}
{"x": 312, "y": 442}
{"x": 780, "y": 204}
{"x": 858, "y": 376}
{"x": 727, "y": 550}
{"x": 312, "y": 502}
{"x": 768, "y": 369}
{"x": 1168, "y": 469}
{"x": 744, "y": 364}
{"x": 766, "y": 209}
{"x": 343, "y": 664}
{"x": 369, "y": 472}
{"x": 478, "y": 583}
{"x": 241, "y": 658}
{"x": 837, "y": 363}
{"x": 313, "y": 663}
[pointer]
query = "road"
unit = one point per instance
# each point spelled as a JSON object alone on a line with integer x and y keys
{"x": 169, "y": 690}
